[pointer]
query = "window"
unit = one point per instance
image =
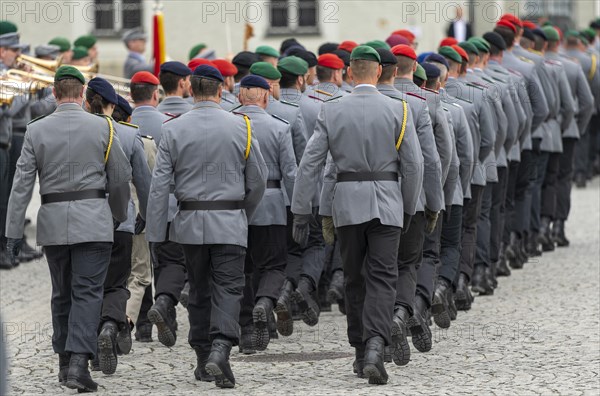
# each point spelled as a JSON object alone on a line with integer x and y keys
{"x": 557, "y": 11}
{"x": 114, "y": 16}
{"x": 293, "y": 17}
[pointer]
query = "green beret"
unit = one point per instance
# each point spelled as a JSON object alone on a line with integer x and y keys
{"x": 572, "y": 33}
{"x": 589, "y": 34}
{"x": 293, "y": 65}
{"x": 480, "y": 44}
{"x": 196, "y": 50}
{"x": 7, "y": 27}
{"x": 451, "y": 54}
{"x": 266, "y": 70}
{"x": 377, "y": 44}
{"x": 267, "y": 51}
{"x": 364, "y": 52}
{"x": 62, "y": 43}
{"x": 547, "y": 23}
{"x": 68, "y": 72}
{"x": 469, "y": 47}
{"x": 85, "y": 41}
{"x": 79, "y": 53}
{"x": 420, "y": 73}
{"x": 551, "y": 33}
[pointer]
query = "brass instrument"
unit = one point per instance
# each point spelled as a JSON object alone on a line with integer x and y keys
{"x": 10, "y": 88}
{"x": 40, "y": 65}
{"x": 16, "y": 75}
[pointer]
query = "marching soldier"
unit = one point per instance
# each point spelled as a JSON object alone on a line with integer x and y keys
{"x": 174, "y": 77}
{"x": 78, "y": 255}
{"x": 243, "y": 61}
{"x": 228, "y": 71}
{"x": 135, "y": 41}
{"x": 89, "y": 43}
{"x": 191, "y": 146}
{"x": 267, "y": 54}
{"x": 65, "y": 48}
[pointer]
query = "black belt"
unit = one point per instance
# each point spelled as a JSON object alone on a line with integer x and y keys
{"x": 211, "y": 205}
{"x": 273, "y": 183}
{"x": 73, "y": 196}
{"x": 366, "y": 177}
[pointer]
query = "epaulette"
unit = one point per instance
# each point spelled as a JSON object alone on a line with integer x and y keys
{"x": 227, "y": 100}
{"x": 315, "y": 98}
{"x": 446, "y": 110}
{"x": 515, "y": 72}
{"x": 332, "y": 99}
{"x": 234, "y": 109}
{"x": 570, "y": 58}
{"x": 430, "y": 90}
{"x": 147, "y": 137}
{"x": 173, "y": 117}
{"x": 476, "y": 85}
{"x": 323, "y": 92}
{"x": 484, "y": 78}
{"x": 535, "y": 52}
{"x": 415, "y": 95}
{"x": 239, "y": 114}
{"x": 464, "y": 100}
{"x": 499, "y": 71}
{"x": 552, "y": 62}
{"x": 526, "y": 59}
{"x": 500, "y": 80}
{"x": 37, "y": 119}
{"x": 280, "y": 119}
{"x": 289, "y": 103}
{"x": 129, "y": 125}
{"x": 397, "y": 98}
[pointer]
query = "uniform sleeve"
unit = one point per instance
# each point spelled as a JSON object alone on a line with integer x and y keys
{"x": 118, "y": 176}
{"x": 141, "y": 174}
{"x": 465, "y": 150}
{"x": 158, "y": 198}
{"x": 586, "y": 102}
{"x": 519, "y": 108}
{"x": 512, "y": 121}
{"x": 44, "y": 105}
{"x": 299, "y": 136}
{"x": 567, "y": 105}
{"x": 432, "y": 177}
{"x": 539, "y": 105}
{"x": 287, "y": 162}
{"x": 329, "y": 182}
{"x": 502, "y": 126}
{"x": 22, "y": 189}
{"x": 453, "y": 172}
{"x": 255, "y": 174}
{"x": 443, "y": 140}
{"x": 410, "y": 159}
{"x": 486, "y": 128}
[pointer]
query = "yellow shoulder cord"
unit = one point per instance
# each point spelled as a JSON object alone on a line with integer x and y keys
{"x": 404, "y": 121}
{"x": 110, "y": 138}
{"x": 594, "y": 67}
{"x": 249, "y": 142}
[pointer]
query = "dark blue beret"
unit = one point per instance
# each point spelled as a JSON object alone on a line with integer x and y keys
{"x": 387, "y": 58}
{"x": 176, "y": 68}
{"x": 438, "y": 59}
{"x": 124, "y": 105}
{"x": 210, "y": 72}
{"x": 254, "y": 81}
{"x": 432, "y": 71}
{"x": 421, "y": 58}
{"x": 541, "y": 33}
{"x": 104, "y": 89}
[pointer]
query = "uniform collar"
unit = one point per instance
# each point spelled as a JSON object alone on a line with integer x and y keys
{"x": 250, "y": 109}
{"x": 144, "y": 108}
{"x": 290, "y": 95}
{"x": 365, "y": 88}
{"x": 176, "y": 99}
{"x": 207, "y": 104}
{"x": 68, "y": 107}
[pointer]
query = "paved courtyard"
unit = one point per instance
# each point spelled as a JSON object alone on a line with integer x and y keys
{"x": 539, "y": 334}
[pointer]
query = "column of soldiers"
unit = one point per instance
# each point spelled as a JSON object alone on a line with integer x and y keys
{"x": 259, "y": 192}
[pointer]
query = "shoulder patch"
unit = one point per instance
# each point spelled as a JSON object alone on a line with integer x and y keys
{"x": 332, "y": 99}
{"x": 173, "y": 117}
{"x": 415, "y": 95}
{"x": 289, "y": 103}
{"x": 315, "y": 98}
{"x": 430, "y": 90}
{"x": 280, "y": 119}
{"x": 147, "y": 137}
{"x": 37, "y": 119}
{"x": 320, "y": 91}
{"x": 128, "y": 124}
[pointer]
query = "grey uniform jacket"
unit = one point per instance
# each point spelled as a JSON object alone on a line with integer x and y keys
{"x": 276, "y": 147}
{"x": 131, "y": 142}
{"x": 452, "y": 180}
{"x": 6, "y": 114}
{"x": 134, "y": 64}
{"x": 585, "y": 60}
{"x": 361, "y": 130}
{"x": 45, "y": 104}
{"x": 204, "y": 151}
{"x": 174, "y": 105}
{"x": 432, "y": 193}
{"x": 324, "y": 91}
{"x": 292, "y": 114}
{"x": 229, "y": 101}
{"x": 66, "y": 150}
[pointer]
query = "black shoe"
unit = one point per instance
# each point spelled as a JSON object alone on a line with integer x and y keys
{"x": 419, "y": 329}
{"x": 490, "y": 274}
{"x": 246, "y": 345}
{"x": 273, "y": 334}
{"x": 200, "y": 372}
{"x": 78, "y": 376}
{"x": 453, "y": 312}
{"x": 374, "y": 368}
{"x": 532, "y": 248}
{"x": 217, "y": 363}
{"x": 359, "y": 362}
{"x": 439, "y": 306}
{"x": 479, "y": 282}
{"x": 184, "y": 297}
{"x": 512, "y": 252}
{"x": 580, "y": 180}
{"x": 28, "y": 253}
{"x": 502, "y": 268}
{"x": 63, "y": 367}
{"x": 162, "y": 314}
{"x": 342, "y": 306}
{"x": 307, "y": 305}
{"x": 143, "y": 333}
{"x": 107, "y": 348}
{"x": 462, "y": 296}
{"x": 544, "y": 236}
{"x": 5, "y": 263}
{"x": 558, "y": 234}
{"x": 400, "y": 348}
{"x": 124, "y": 342}
{"x": 283, "y": 309}
{"x": 261, "y": 314}
{"x": 522, "y": 252}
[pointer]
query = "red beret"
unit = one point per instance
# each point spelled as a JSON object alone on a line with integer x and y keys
{"x": 406, "y": 34}
{"x": 448, "y": 42}
{"x": 144, "y": 77}
{"x": 194, "y": 63}
{"x": 529, "y": 25}
{"x": 348, "y": 45}
{"x": 226, "y": 68}
{"x": 331, "y": 61}
{"x": 507, "y": 24}
{"x": 404, "y": 50}
{"x": 463, "y": 54}
{"x": 512, "y": 19}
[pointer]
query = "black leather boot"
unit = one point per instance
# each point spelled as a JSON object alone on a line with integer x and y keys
{"x": 502, "y": 266}
{"x": 246, "y": 341}
{"x": 218, "y": 365}
{"x": 400, "y": 348}
{"x": 201, "y": 358}
{"x": 359, "y": 361}
{"x": 260, "y": 315}
{"x": 63, "y": 367}
{"x": 107, "y": 347}
{"x": 283, "y": 309}
{"x": 273, "y": 334}
{"x": 462, "y": 296}
{"x": 308, "y": 307}
{"x": 124, "y": 338}
{"x": 163, "y": 315}
{"x": 479, "y": 281}
{"x": 532, "y": 247}
{"x": 558, "y": 234}
{"x": 512, "y": 252}
{"x": 419, "y": 329}
{"x": 439, "y": 306}
{"x": 544, "y": 237}
{"x": 78, "y": 376}
{"x": 490, "y": 274}
{"x": 452, "y": 306}
{"x": 374, "y": 368}
{"x": 143, "y": 333}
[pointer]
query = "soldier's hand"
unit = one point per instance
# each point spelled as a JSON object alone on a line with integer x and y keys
{"x": 13, "y": 248}
{"x": 328, "y": 230}
{"x": 301, "y": 229}
{"x": 431, "y": 217}
{"x": 140, "y": 224}
{"x": 406, "y": 225}
{"x": 116, "y": 224}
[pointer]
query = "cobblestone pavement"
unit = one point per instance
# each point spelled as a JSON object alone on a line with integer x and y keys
{"x": 539, "y": 334}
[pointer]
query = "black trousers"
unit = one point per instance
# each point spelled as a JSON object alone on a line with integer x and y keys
{"x": 410, "y": 255}
{"x": 114, "y": 306}
{"x": 264, "y": 268}
{"x": 541, "y": 163}
{"x": 471, "y": 211}
{"x": 169, "y": 271}
{"x": 369, "y": 253}
{"x": 564, "y": 180}
{"x": 484, "y": 227}
{"x": 450, "y": 245}
{"x": 427, "y": 271}
{"x": 525, "y": 177}
{"x": 216, "y": 277}
{"x": 549, "y": 188}
{"x": 15, "y": 153}
{"x": 498, "y": 213}
{"x": 509, "y": 203}
{"x": 77, "y": 273}
{"x": 5, "y": 187}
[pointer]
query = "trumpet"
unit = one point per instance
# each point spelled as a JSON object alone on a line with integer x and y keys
{"x": 10, "y": 88}
{"x": 39, "y": 65}
{"x": 17, "y": 75}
